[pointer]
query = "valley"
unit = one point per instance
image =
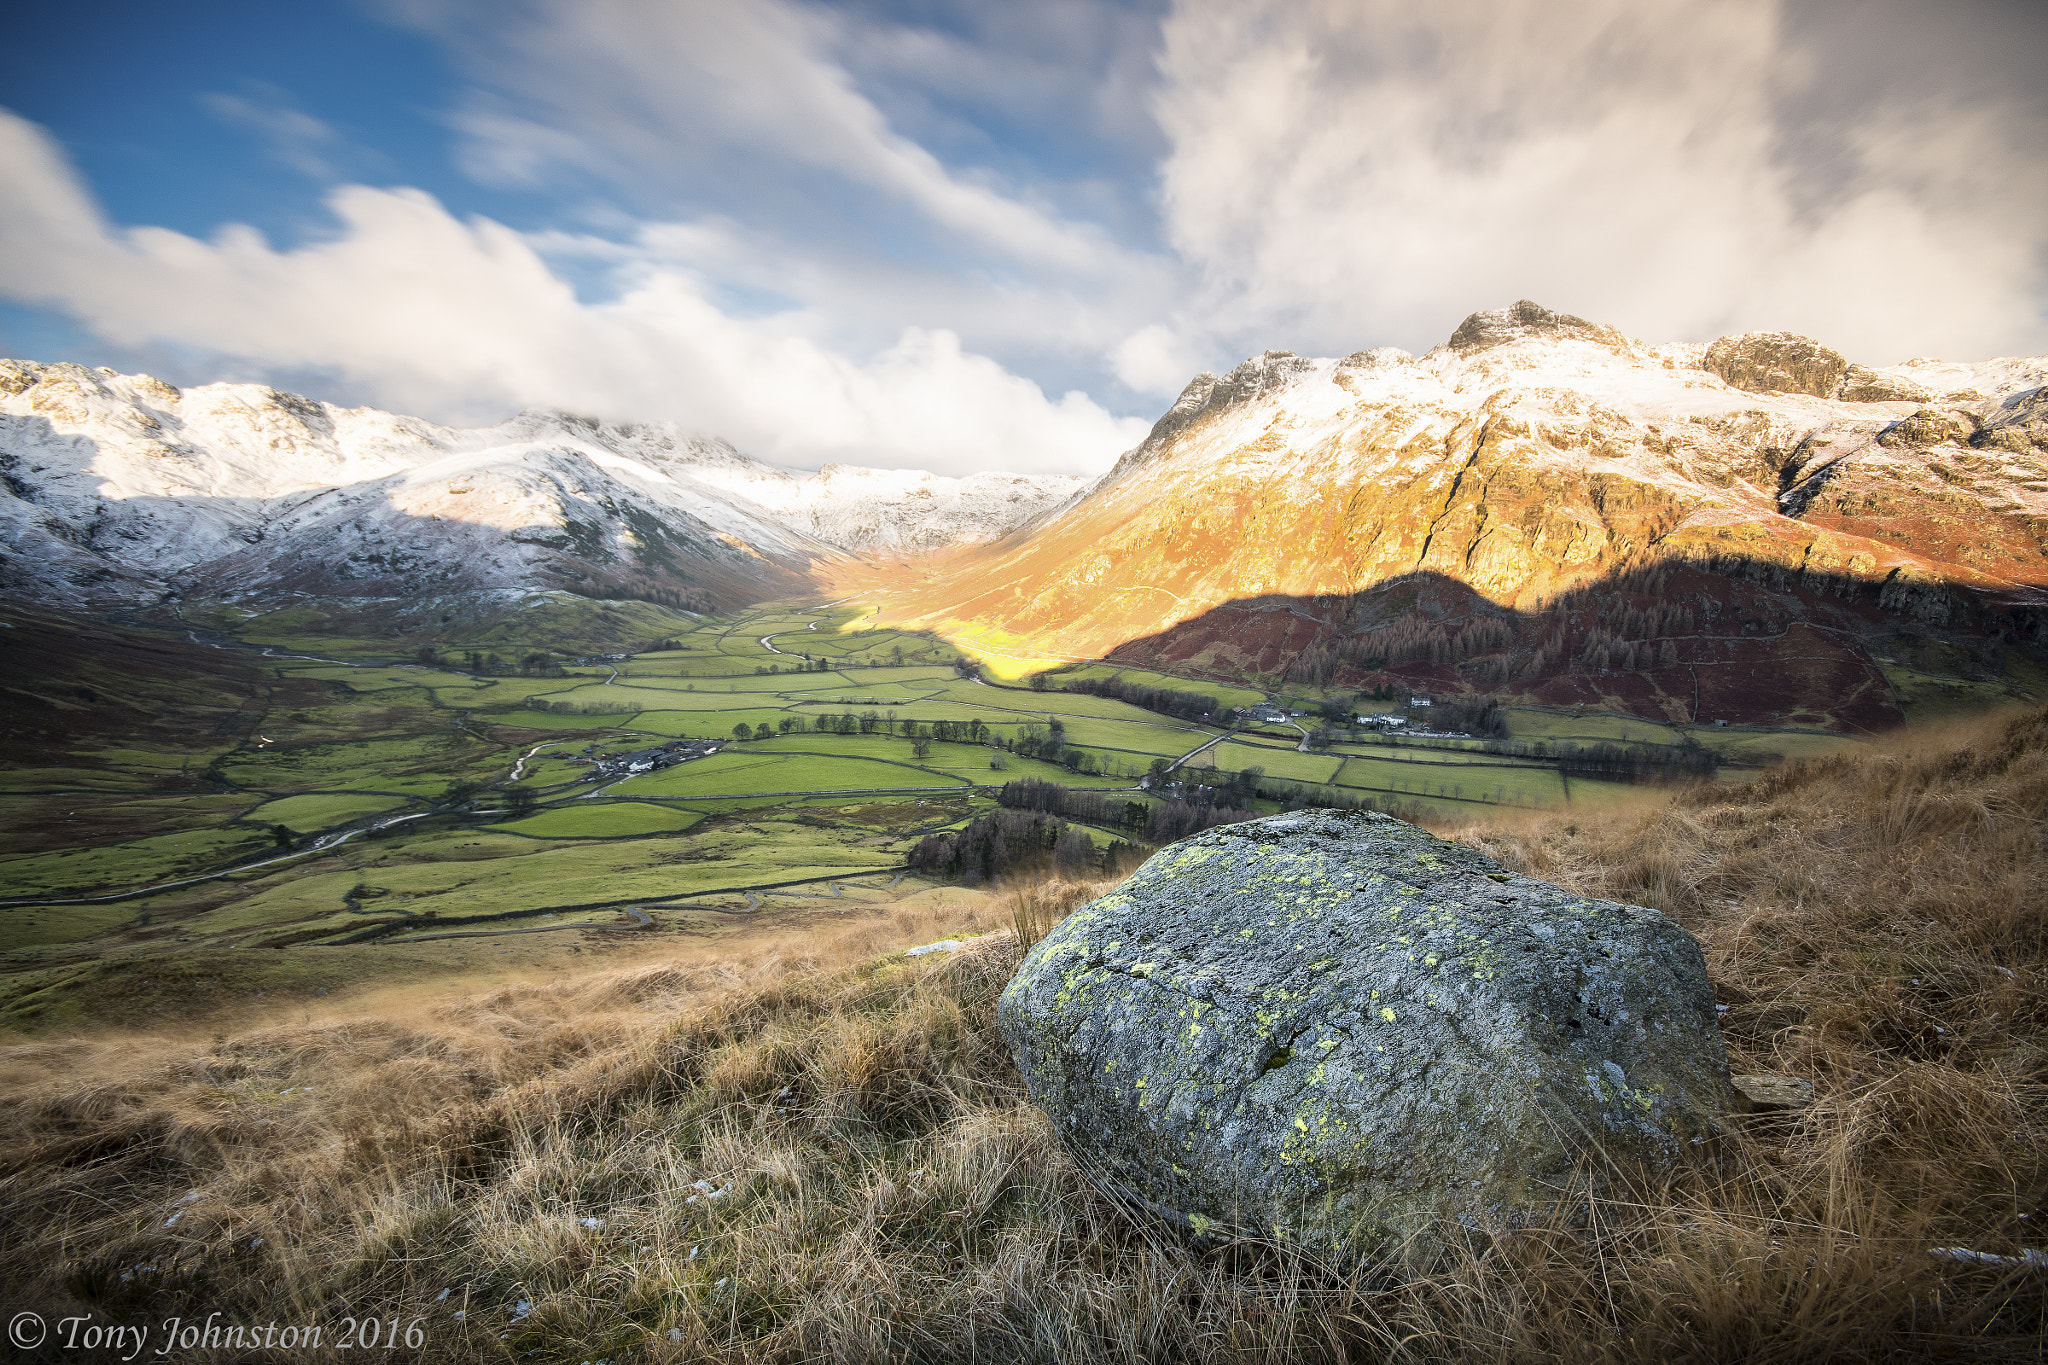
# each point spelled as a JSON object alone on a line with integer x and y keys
{"x": 305, "y": 699}
{"x": 240, "y": 814}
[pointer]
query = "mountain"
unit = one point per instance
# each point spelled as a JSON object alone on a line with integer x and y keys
{"x": 1547, "y": 506}
{"x": 122, "y": 489}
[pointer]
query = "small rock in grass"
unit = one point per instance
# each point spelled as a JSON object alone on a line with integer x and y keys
{"x": 1768, "y": 1093}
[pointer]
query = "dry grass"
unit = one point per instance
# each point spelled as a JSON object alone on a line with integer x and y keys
{"x": 884, "y": 1191}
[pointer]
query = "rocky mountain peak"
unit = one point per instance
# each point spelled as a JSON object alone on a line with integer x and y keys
{"x": 1777, "y": 362}
{"x": 1522, "y": 320}
{"x": 1207, "y": 395}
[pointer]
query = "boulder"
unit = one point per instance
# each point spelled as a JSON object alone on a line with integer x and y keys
{"x": 1777, "y": 362}
{"x": 1336, "y": 1028}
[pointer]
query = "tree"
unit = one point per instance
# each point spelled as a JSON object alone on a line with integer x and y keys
{"x": 285, "y": 835}
{"x": 743, "y": 731}
{"x": 920, "y": 747}
{"x": 1073, "y": 852}
{"x": 519, "y": 800}
{"x": 1038, "y": 682}
{"x": 459, "y": 793}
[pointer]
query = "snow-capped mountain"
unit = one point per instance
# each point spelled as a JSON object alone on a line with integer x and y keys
{"x": 1532, "y": 455}
{"x": 123, "y": 489}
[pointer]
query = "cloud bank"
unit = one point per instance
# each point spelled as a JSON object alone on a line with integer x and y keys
{"x": 467, "y": 321}
{"x": 829, "y": 232}
{"x": 1629, "y": 161}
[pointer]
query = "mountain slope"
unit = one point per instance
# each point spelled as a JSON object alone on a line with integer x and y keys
{"x": 123, "y": 489}
{"x": 1297, "y": 504}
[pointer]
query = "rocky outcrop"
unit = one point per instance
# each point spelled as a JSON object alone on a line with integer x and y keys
{"x": 1931, "y": 427}
{"x": 1778, "y": 362}
{"x": 1339, "y": 1029}
{"x": 1864, "y": 385}
{"x": 1525, "y": 319}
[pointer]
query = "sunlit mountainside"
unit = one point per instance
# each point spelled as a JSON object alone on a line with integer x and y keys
{"x": 1543, "y": 506}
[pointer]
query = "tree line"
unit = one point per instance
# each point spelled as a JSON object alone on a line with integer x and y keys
{"x": 1008, "y": 842}
{"x": 1197, "y": 707}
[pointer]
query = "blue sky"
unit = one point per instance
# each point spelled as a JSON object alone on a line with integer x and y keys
{"x": 964, "y": 235}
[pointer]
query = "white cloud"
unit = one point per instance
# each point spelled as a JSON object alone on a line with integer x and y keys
{"x": 747, "y": 122}
{"x": 289, "y": 135}
{"x": 1353, "y": 171}
{"x": 1156, "y": 360}
{"x": 465, "y": 321}
{"x": 663, "y": 88}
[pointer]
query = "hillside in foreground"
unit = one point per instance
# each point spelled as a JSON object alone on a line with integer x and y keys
{"x": 809, "y": 1146}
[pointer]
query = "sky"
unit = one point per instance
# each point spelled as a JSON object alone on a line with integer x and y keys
{"x": 957, "y": 235}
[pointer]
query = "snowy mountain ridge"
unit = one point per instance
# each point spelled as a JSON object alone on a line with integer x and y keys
{"x": 122, "y": 489}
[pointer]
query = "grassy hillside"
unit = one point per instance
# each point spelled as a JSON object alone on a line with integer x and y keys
{"x": 796, "y": 1144}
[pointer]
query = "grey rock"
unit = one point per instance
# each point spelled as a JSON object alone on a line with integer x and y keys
{"x": 1766, "y": 1093}
{"x": 1777, "y": 362}
{"x": 1868, "y": 386}
{"x": 1499, "y": 326}
{"x": 1337, "y": 1028}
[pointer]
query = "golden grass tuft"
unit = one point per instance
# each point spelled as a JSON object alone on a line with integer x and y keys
{"x": 823, "y": 1151}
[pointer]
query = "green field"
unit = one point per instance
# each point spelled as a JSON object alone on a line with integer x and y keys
{"x": 603, "y": 820}
{"x": 320, "y": 811}
{"x": 84, "y": 871}
{"x": 734, "y": 773}
{"x": 1234, "y": 756}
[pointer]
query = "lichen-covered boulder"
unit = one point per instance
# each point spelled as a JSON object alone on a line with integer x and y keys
{"x": 1777, "y": 362}
{"x": 1336, "y": 1028}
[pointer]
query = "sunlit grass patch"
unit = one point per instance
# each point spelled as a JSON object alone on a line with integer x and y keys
{"x": 318, "y": 811}
{"x": 604, "y": 819}
{"x": 737, "y": 772}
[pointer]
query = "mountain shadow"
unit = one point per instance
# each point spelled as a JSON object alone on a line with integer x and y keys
{"x": 1738, "y": 641}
